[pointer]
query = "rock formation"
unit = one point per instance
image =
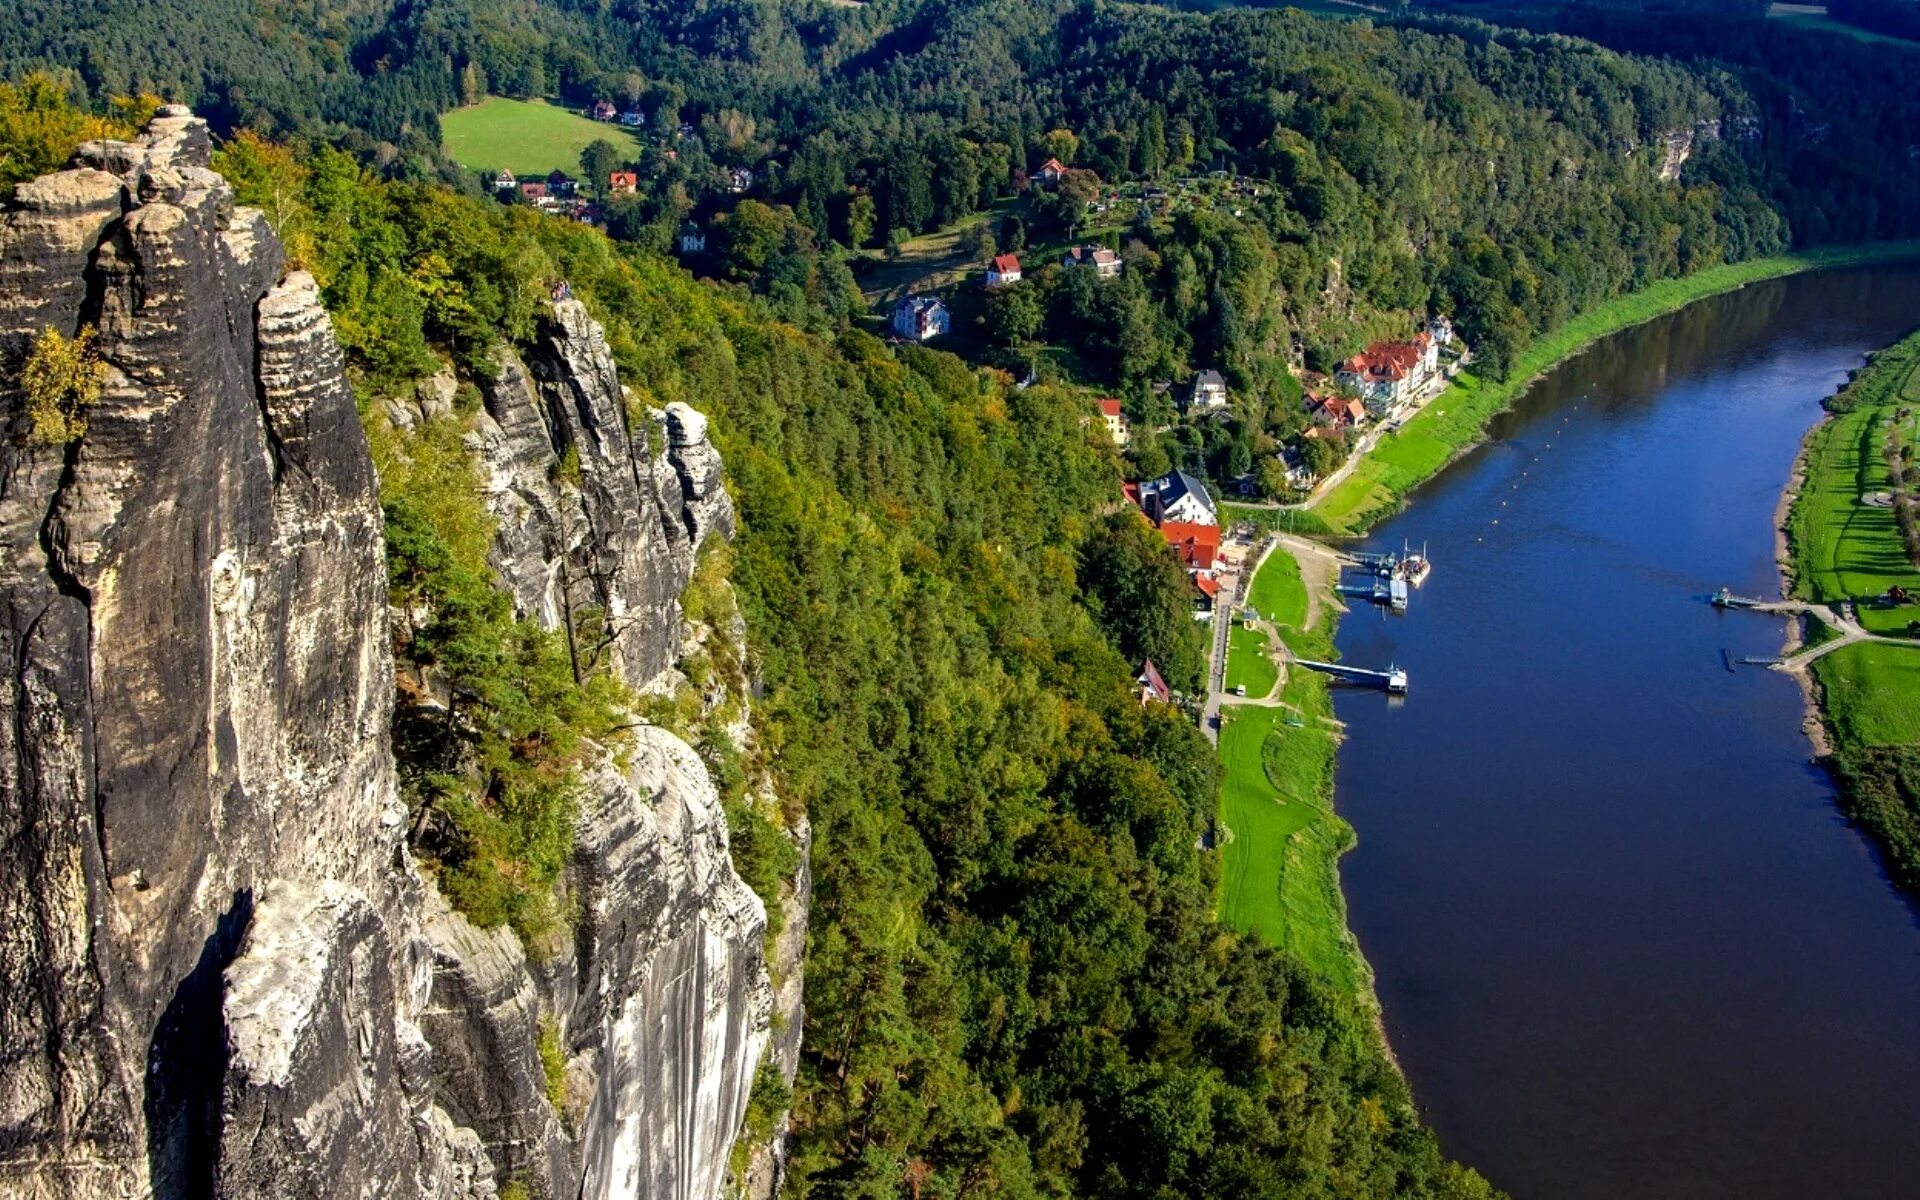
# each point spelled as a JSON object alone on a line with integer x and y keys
{"x": 221, "y": 973}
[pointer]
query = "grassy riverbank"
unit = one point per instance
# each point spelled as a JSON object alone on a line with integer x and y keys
{"x": 1280, "y": 861}
{"x": 1846, "y": 546}
{"x": 1457, "y": 419}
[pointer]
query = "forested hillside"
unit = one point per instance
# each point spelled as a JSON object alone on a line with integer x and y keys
{"x": 1508, "y": 178}
{"x": 1015, "y": 986}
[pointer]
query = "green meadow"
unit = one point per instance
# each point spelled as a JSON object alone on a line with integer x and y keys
{"x": 1280, "y": 862}
{"x": 527, "y": 137}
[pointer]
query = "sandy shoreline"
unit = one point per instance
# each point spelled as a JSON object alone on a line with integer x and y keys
{"x": 1812, "y": 723}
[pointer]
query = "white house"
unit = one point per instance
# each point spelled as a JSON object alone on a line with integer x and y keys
{"x": 739, "y": 179}
{"x": 1209, "y": 392}
{"x": 1177, "y": 497}
{"x": 1116, "y": 422}
{"x": 920, "y": 318}
{"x": 1004, "y": 269}
{"x": 1105, "y": 263}
{"x": 693, "y": 239}
{"x": 1050, "y": 172}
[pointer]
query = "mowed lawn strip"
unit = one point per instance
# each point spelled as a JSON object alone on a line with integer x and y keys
{"x": 1278, "y": 593}
{"x": 1249, "y": 662}
{"x": 1280, "y": 880}
{"x": 1457, "y": 419}
{"x": 1872, "y": 694}
{"x": 526, "y": 137}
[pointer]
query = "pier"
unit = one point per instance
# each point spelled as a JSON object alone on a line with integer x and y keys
{"x": 1393, "y": 679}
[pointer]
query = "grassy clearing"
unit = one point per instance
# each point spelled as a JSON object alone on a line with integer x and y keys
{"x": 1278, "y": 593}
{"x": 527, "y": 137}
{"x": 1872, "y": 693}
{"x": 1250, "y": 662}
{"x": 1458, "y": 418}
{"x": 1281, "y": 867}
{"x": 1281, "y": 879}
{"x": 1304, "y": 522}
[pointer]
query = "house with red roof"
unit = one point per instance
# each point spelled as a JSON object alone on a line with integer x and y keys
{"x": 623, "y": 182}
{"x": 1050, "y": 172}
{"x": 1116, "y": 422}
{"x": 1197, "y": 545}
{"x": 1336, "y": 412}
{"x": 1387, "y": 373}
{"x": 604, "y": 111}
{"x": 1003, "y": 270}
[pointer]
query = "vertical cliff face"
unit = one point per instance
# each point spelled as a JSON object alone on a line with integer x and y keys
{"x": 220, "y": 972}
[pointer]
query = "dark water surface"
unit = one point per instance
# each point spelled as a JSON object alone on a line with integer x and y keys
{"x": 1625, "y": 945}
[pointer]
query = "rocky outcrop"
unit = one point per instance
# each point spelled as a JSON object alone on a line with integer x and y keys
{"x": 198, "y": 698}
{"x": 220, "y": 972}
{"x": 600, "y": 508}
{"x": 662, "y": 1002}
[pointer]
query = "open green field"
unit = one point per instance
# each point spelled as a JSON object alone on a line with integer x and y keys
{"x": 1814, "y": 16}
{"x": 527, "y": 137}
{"x": 1278, "y": 593}
{"x": 1281, "y": 864}
{"x": 1872, "y": 694}
{"x": 1845, "y": 549}
{"x": 1249, "y": 662}
{"x": 1457, "y": 419}
{"x": 1281, "y": 880}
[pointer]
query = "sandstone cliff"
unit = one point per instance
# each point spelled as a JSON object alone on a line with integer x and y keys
{"x": 221, "y": 972}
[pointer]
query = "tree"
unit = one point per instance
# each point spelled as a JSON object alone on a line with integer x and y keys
{"x": 977, "y": 243}
{"x": 862, "y": 219}
{"x": 1014, "y": 314}
{"x": 1057, "y": 143}
{"x": 473, "y": 82}
{"x": 1013, "y": 233}
{"x": 1143, "y": 597}
{"x": 598, "y": 162}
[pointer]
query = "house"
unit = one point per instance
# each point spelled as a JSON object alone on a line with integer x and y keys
{"x": 1116, "y": 423}
{"x": 1336, "y": 412}
{"x": 623, "y": 183}
{"x": 1388, "y": 373}
{"x": 1299, "y": 475}
{"x": 686, "y": 129}
{"x": 534, "y": 190}
{"x": 1152, "y": 687}
{"x": 559, "y": 183}
{"x": 1206, "y": 595}
{"x": 1197, "y": 545}
{"x": 1178, "y": 497}
{"x": 1209, "y": 391}
{"x": 1004, "y": 269}
{"x": 920, "y": 318}
{"x": 1442, "y": 330}
{"x": 739, "y": 179}
{"x": 693, "y": 239}
{"x": 633, "y": 118}
{"x": 504, "y": 181}
{"x": 604, "y": 111}
{"x": 1050, "y": 172}
{"x": 1105, "y": 263}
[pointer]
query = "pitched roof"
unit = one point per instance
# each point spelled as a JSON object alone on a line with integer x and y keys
{"x": 1209, "y": 378}
{"x": 1150, "y": 679}
{"x": 1110, "y": 407}
{"x": 1209, "y": 586}
{"x": 1005, "y": 264}
{"x": 1052, "y": 164}
{"x": 1169, "y": 489}
{"x": 1197, "y": 545}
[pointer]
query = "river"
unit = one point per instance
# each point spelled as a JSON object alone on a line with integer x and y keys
{"x": 1624, "y": 944}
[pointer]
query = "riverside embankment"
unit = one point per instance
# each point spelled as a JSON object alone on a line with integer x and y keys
{"x": 1622, "y": 940}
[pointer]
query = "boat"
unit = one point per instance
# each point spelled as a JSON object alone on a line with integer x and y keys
{"x": 1415, "y": 568}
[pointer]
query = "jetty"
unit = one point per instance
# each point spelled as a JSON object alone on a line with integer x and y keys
{"x": 1393, "y": 679}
